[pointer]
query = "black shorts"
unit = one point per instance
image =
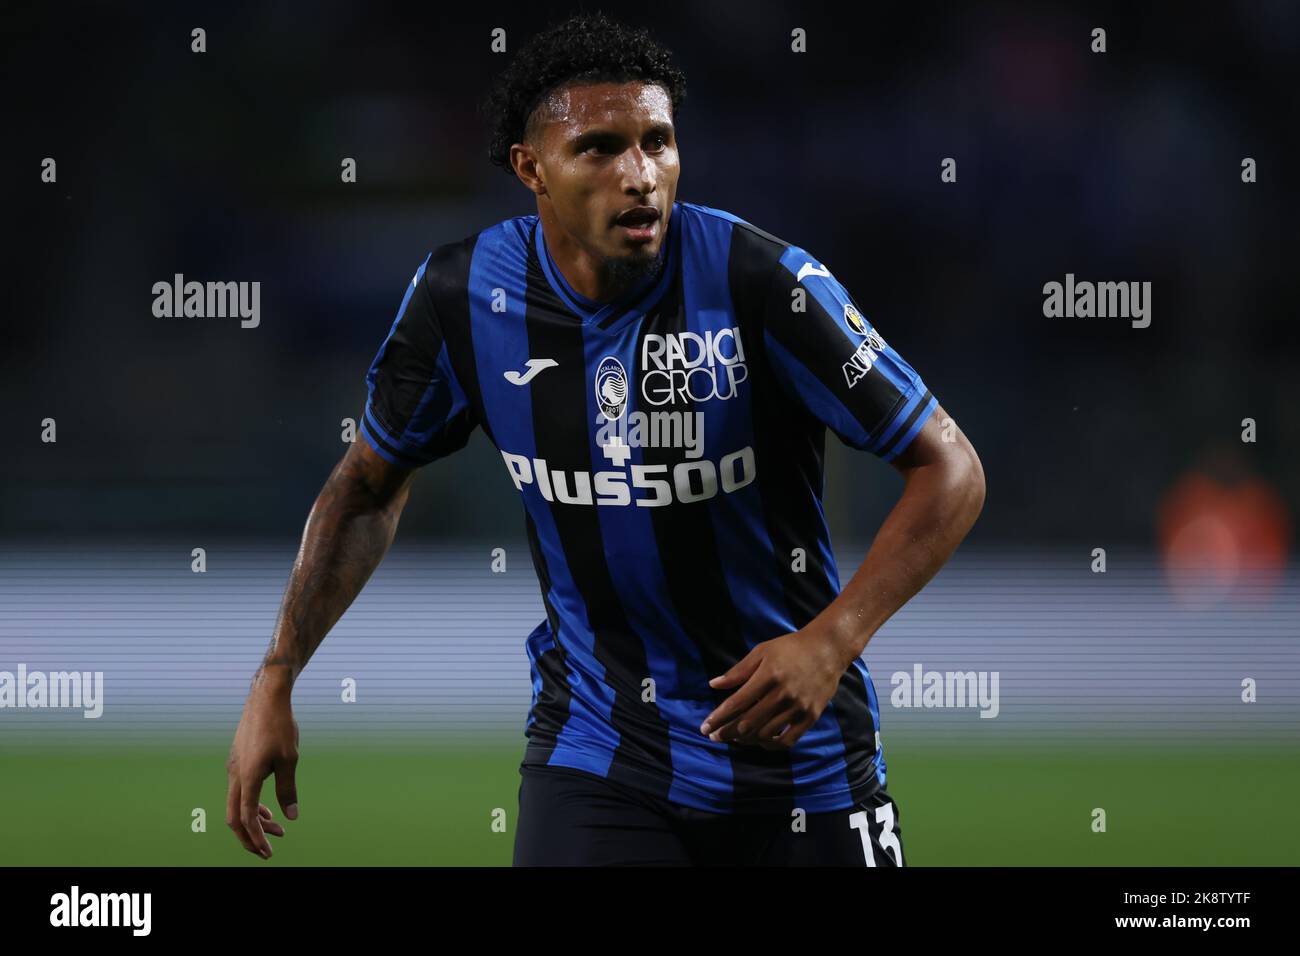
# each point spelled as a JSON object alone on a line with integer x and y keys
{"x": 573, "y": 818}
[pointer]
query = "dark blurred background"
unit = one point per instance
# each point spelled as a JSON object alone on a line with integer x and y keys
{"x": 225, "y": 165}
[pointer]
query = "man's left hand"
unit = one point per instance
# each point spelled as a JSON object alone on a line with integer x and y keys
{"x": 783, "y": 685}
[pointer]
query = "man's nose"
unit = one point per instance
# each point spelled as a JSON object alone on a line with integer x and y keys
{"x": 639, "y": 172}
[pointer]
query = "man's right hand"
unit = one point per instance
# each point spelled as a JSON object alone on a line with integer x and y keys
{"x": 266, "y": 742}
{"x": 350, "y": 528}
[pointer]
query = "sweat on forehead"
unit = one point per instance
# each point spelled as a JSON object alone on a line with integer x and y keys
{"x": 580, "y": 97}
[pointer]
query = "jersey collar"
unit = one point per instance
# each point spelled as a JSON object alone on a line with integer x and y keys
{"x": 636, "y": 301}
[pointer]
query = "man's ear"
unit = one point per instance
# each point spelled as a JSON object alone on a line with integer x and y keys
{"x": 523, "y": 160}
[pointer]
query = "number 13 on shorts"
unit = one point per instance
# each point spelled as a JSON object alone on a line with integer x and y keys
{"x": 885, "y": 837}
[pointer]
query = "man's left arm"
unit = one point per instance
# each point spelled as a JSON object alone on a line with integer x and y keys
{"x": 786, "y": 683}
{"x": 943, "y": 493}
{"x": 831, "y": 361}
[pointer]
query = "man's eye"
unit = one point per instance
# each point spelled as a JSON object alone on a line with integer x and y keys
{"x": 658, "y": 142}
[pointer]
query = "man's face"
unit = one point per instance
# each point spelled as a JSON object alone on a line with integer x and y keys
{"x": 607, "y": 154}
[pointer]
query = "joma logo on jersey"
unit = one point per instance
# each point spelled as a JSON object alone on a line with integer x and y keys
{"x": 690, "y": 367}
{"x": 860, "y": 362}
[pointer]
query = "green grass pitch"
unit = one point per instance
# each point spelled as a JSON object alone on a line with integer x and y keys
{"x": 367, "y": 806}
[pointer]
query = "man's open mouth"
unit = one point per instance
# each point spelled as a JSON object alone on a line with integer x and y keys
{"x": 638, "y": 217}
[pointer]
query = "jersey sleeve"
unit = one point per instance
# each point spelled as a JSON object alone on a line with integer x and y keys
{"x": 416, "y": 410}
{"x": 836, "y": 365}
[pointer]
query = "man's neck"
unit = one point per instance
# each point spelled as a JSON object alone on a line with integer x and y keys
{"x": 600, "y": 280}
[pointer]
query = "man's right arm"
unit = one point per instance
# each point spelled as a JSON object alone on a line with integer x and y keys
{"x": 348, "y": 531}
{"x": 416, "y": 412}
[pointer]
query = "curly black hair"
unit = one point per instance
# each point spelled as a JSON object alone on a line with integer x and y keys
{"x": 584, "y": 48}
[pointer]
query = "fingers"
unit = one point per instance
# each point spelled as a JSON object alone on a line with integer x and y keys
{"x": 720, "y": 725}
{"x": 740, "y": 671}
{"x": 232, "y": 814}
{"x": 268, "y": 821}
{"x": 794, "y": 732}
{"x": 774, "y": 726}
{"x": 783, "y": 731}
{"x": 775, "y": 723}
{"x": 746, "y": 726}
{"x": 234, "y": 818}
{"x": 250, "y": 789}
{"x": 286, "y": 789}
{"x": 735, "y": 705}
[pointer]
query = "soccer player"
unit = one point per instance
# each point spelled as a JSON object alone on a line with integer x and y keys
{"x": 658, "y": 377}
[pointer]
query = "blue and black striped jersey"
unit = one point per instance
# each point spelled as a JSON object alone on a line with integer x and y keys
{"x": 668, "y": 451}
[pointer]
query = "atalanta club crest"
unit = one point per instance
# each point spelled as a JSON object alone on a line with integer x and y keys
{"x": 611, "y": 387}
